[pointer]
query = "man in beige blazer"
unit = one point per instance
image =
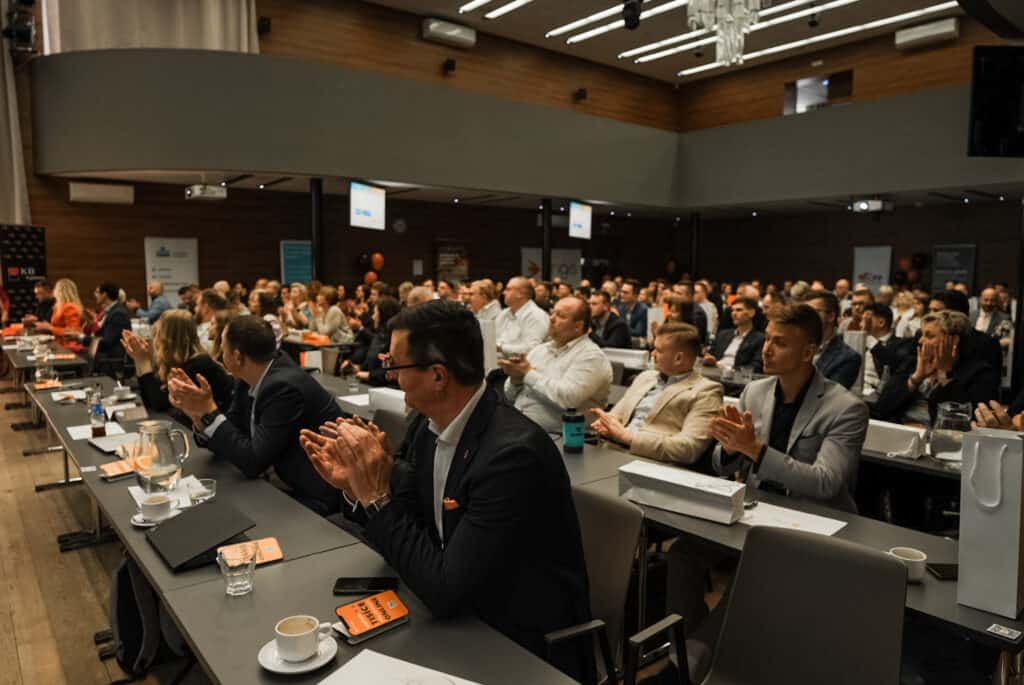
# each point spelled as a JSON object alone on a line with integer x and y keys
{"x": 667, "y": 411}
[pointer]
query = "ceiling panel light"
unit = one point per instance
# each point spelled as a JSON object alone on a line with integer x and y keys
{"x": 613, "y": 11}
{"x": 506, "y": 8}
{"x": 611, "y": 26}
{"x": 849, "y": 30}
{"x": 470, "y": 6}
{"x": 681, "y": 48}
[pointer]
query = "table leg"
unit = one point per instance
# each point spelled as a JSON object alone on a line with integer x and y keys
{"x": 1009, "y": 669}
{"x": 641, "y": 579}
{"x": 63, "y": 483}
{"x": 99, "y": 535}
{"x": 18, "y": 387}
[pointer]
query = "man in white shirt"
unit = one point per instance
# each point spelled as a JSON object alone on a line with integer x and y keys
{"x": 522, "y": 325}
{"x": 700, "y": 297}
{"x": 885, "y": 350}
{"x": 569, "y": 371}
{"x": 740, "y": 345}
{"x": 482, "y": 301}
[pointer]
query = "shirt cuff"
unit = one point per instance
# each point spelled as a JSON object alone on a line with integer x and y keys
{"x": 532, "y": 377}
{"x": 212, "y": 428}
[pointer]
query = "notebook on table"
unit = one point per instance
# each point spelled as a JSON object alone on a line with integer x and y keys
{"x": 191, "y": 539}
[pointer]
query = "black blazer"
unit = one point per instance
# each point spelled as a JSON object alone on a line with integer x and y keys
{"x": 114, "y": 321}
{"x": 899, "y": 354}
{"x": 289, "y": 400}
{"x": 616, "y": 332}
{"x": 154, "y": 395}
{"x": 512, "y": 552}
{"x": 839, "y": 362}
{"x": 749, "y": 353}
{"x": 379, "y": 344}
{"x": 973, "y": 381}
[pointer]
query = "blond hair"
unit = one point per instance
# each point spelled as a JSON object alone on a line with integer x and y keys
{"x": 65, "y": 291}
{"x": 949, "y": 322}
{"x": 175, "y": 341}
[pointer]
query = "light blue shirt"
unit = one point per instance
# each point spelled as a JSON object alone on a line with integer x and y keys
{"x": 645, "y": 405}
{"x": 158, "y": 306}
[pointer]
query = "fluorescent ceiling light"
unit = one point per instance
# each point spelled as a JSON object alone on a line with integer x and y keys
{"x": 597, "y": 16}
{"x": 470, "y": 6}
{"x": 611, "y": 26}
{"x": 849, "y": 30}
{"x": 672, "y": 51}
{"x": 506, "y": 8}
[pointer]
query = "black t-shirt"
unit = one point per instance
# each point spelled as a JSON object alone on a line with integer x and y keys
{"x": 44, "y": 309}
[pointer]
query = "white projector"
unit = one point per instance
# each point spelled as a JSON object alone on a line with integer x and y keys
{"x": 205, "y": 192}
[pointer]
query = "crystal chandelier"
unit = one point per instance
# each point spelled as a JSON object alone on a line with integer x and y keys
{"x": 731, "y": 19}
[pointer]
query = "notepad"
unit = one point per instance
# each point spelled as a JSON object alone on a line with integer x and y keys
{"x": 356, "y": 400}
{"x": 64, "y": 395}
{"x": 372, "y": 668}
{"x": 85, "y": 432}
{"x": 765, "y": 514}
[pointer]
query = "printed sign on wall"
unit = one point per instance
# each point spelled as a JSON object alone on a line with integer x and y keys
{"x": 565, "y": 264}
{"x": 871, "y": 265}
{"x": 172, "y": 261}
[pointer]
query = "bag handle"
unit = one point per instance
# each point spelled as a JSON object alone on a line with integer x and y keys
{"x": 991, "y": 505}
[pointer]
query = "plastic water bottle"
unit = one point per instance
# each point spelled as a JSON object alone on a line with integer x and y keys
{"x": 573, "y": 430}
{"x": 97, "y": 418}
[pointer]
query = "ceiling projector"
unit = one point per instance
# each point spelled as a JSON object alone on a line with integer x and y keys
{"x": 205, "y": 192}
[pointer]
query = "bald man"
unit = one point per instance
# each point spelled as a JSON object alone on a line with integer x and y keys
{"x": 988, "y": 318}
{"x": 158, "y": 303}
{"x": 522, "y": 325}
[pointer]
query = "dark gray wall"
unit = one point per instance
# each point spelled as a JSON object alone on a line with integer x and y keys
{"x": 193, "y": 110}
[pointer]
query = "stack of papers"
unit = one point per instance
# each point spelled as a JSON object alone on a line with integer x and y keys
{"x": 372, "y": 668}
{"x": 356, "y": 400}
{"x": 765, "y": 514}
{"x": 85, "y": 432}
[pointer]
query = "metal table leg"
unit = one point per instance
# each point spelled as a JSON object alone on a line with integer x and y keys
{"x": 641, "y": 579}
{"x": 99, "y": 535}
{"x": 1009, "y": 669}
{"x": 19, "y": 386}
{"x": 63, "y": 483}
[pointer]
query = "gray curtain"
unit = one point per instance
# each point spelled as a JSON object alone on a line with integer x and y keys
{"x": 71, "y": 25}
{"x": 13, "y": 188}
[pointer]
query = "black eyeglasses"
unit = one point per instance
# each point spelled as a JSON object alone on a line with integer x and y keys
{"x": 389, "y": 365}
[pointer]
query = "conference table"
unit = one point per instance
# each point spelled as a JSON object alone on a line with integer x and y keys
{"x": 24, "y": 363}
{"x": 225, "y": 633}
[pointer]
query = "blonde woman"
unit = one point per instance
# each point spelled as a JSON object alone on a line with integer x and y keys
{"x": 67, "y": 310}
{"x": 220, "y": 322}
{"x": 298, "y": 311}
{"x": 175, "y": 345}
{"x": 329, "y": 320}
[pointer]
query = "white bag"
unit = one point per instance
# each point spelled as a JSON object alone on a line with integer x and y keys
{"x": 682, "y": 491}
{"x": 991, "y": 510}
{"x": 894, "y": 440}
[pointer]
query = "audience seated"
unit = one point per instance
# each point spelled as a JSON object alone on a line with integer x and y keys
{"x": 158, "y": 303}
{"x": 711, "y": 312}
{"x": 981, "y": 343}
{"x": 543, "y": 296}
{"x": 667, "y": 410}
{"x": 65, "y": 310}
{"x": 885, "y": 350}
{"x": 740, "y": 345}
{"x": 477, "y": 515}
{"x": 607, "y": 329}
{"x": 569, "y": 371}
{"x": 421, "y": 294}
{"x": 372, "y": 371}
{"x": 861, "y": 300}
{"x": 990, "y": 320}
{"x": 261, "y": 304}
{"x": 522, "y": 325}
{"x": 298, "y": 310}
{"x": 329, "y": 320}
{"x": 482, "y": 300}
{"x": 836, "y": 360}
{"x": 43, "y": 311}
{"x": 111, "y": 319}
{"x": 209, "y": 304}
{"x": 631, "y": 309}
{"x": 273, "y": 400}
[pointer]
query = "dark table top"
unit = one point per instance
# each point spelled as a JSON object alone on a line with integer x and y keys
{"x": 20, "y": 358}
{"x": 926, "y": 465}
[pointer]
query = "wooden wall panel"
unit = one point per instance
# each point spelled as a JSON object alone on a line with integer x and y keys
{"x": 879, "y": 70}
{"x": 364, "y": 36}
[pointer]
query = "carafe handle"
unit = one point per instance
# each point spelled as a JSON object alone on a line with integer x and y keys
{"x": 183, "y": 456}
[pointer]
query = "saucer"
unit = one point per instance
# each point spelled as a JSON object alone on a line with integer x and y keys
{"x": 139, "y": 522}
{"x": 325, "y": 653}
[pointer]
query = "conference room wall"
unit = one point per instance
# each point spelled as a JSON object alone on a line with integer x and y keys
{"x": 757, "y": 92}
{"x": 779, "y": 247}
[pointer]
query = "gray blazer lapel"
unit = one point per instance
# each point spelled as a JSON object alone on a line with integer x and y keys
{"x": 767, "y": 409}
{"x": 808, "y": 409}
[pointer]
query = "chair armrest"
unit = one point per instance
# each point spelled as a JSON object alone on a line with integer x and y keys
{"x": 673, "y": 623}
{"x": 595, "y": 627}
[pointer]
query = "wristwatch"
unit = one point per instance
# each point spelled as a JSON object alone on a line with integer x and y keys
{"x": 208, "y": 419}
{"x": 376, "y": 506}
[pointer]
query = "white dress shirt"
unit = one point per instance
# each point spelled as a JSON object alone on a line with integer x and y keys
{"x": 576, "y": 375}
{"x": 444, "y": 453}
{"x": 728, "y": 359}
{"x": 982, "y": 323}
{"x": 519, "y": 332}
{"x": 872, "y": 374}
{"x": 489, "y": 311}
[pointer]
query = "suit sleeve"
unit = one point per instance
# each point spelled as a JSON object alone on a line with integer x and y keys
{"x": 638, "y": 322}
{"x": 686, "y": 446}
{"x": 846, "y": 373}
{"x": 726, "y": 463}
{"x": 485, "y": 540}
{"x": 835, "y": 466}
{"x": 271, "y": 436}
{"x": 111, "y": 336}
{"x": 618, "y": 336}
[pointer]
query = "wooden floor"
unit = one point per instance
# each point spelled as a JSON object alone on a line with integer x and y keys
{"x": 51, "y": 603}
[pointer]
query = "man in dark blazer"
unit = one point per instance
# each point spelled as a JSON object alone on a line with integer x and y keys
{"x": 748, "y": 351}
{"x": 273, "y": 400}
{"x": 479, "y": 519}
{"x": 607, "y": 329}
{"x": 836, "y": 360}
{"x": 887, "y": 350}
{"x": 113, "y": 318}
{"x": 988, "y": 313}
{"x": 631, "y": 309}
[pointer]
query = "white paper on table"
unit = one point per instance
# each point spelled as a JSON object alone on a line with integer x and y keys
{"x": 12, "y": 346}
{"x": 356, "y": 400}
{"x": 30, "y": 357}
{"x": 85, "y": 432}
{"x": 372, "y": 668}
{"x": 68, "y": 395}
{"x": 179, "y": 496}
{"x": 765, "y": 514}
{"x": 118, "y": 407}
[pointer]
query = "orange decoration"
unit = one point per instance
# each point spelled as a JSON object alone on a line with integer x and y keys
{"x": 370, "y": 277}
{"x": 377, "y": 261}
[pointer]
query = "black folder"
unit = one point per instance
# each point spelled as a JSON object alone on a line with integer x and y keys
{"x": 190, "y": 539}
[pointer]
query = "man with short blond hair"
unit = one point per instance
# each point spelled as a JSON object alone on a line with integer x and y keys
{"x": 482, "y": 300}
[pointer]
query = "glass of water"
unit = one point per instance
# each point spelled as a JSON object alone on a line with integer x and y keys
{"x": 206, "y": 491}
{"x": 951, "y": 422}
{"x": 238, "y": 566}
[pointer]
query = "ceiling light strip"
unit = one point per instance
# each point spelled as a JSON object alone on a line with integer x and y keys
{"x": 475, "y": 4}
{"x": 579, "y": 23}
{"x": 850, "y": 30}
{"x": 606, "y": 28}
{"x": 506, "y": 8}
{"x": 672, "y": 51}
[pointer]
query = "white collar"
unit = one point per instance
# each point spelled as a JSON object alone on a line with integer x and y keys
{"x": 453, "y": 432}
{"x": 254, "y": 390}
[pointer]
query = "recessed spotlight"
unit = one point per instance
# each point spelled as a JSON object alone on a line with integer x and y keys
{"x": 561, "y": 209}
{"x": 223, "y": 184}
{"x": 456, "y": 200}
{"x": 967, "y": 200}
{"x": 753, "y": 213}
{"x": 677, "y": 218}
{"x": 849, "y": 208}
{"x": 612, "y": 212}
{"x": 1002, "y": 198}
{"x": 629, "y": 213}
{"x": 262, "y": 186}
{"x": 540, "y": 206}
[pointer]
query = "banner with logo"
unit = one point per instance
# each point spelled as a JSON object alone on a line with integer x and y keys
{"x": 23, "y": 256}
{"x": 871, "y": 266}
{"x": 296, "y": 261}
{"x": 172, "y": 261}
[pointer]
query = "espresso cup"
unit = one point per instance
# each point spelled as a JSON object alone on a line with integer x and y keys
{"x": 914, "y": 560}
{"x": 298, "y": 637}
{"x": 155, "y": 507}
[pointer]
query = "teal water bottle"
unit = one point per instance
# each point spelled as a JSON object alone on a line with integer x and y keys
{"x": 572, "y": 431}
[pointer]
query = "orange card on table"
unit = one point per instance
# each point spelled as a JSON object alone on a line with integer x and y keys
{"x": 372, "y": 614}
{"x": 117, "y": 468}
{"x": 46, "y": 385}
{"x": 267, "y": 550}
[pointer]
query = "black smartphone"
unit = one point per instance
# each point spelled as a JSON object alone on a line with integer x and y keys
{"x": 363, "y": 586}
{"x": 944, "y": 571}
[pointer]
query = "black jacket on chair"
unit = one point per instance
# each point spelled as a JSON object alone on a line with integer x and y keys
{"x": 512, "y": 552}
{"x": 749, "y": 353}
{"x": 839, "y": 362}
{"x": 615, "y": 333}
{"x": 289, "y": 399}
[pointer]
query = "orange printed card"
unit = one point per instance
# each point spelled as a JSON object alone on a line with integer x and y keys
{"x": 46, "y": 385}
{"x": 267, "y": 550}
{"x": 117, "y": 468}
{"x": 371, "y": 614}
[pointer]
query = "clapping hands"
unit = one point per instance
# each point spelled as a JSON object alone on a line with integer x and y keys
{"x": 352, "y": 456}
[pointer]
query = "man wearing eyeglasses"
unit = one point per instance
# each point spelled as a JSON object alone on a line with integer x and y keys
{"x": 476, "y": 514}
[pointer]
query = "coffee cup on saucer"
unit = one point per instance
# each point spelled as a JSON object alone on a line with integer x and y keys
{"x": 155, "y": 507}
{"x": 122, "y": 392}
{"x": 915, "y": 561}
{"x": 298, "y": 637}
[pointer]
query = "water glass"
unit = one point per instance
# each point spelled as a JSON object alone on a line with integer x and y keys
{"x": 951, "y": 422}
{"x": 746, "y": 374}
{"x": 353, "y": 384}
{"x": 206, "y": 491}
{"x": 238, "y": 566}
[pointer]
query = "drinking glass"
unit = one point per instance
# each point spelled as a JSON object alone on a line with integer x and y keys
{"x": 206, "y": 491}
{"x": 238, "y": 566}
{"x": 951, "y": 422}
{"x": 746, "y": 374}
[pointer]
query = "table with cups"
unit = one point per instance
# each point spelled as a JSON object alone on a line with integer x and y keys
{"x": 37, "y": 358}
{"x": 227, "y": 633}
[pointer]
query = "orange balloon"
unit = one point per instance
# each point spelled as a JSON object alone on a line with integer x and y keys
{"x": 370, "y": 277}
{"x": 377, "y": 261}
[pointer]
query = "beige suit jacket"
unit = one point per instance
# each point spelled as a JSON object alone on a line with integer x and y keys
{"x": 676, "y": 430}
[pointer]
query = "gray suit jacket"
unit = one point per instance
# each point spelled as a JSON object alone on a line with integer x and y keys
{"x": 823, "y": 453}
{"x": 994, "y": 320}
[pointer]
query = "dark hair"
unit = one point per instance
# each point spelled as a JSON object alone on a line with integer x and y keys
{"x": 747, "y": 302}
{"x": 442, "y": 332}
{"x": 213, "y": 299}
{"x": 382, "y": 288}
{"x": 184, "y": 289}
{"x": 634, "y": 283}
{"x": 267, "y": 303}
{"x": 43, "y": 283}
{"x": 955, "y": 300}
{"x": 110, "y": 289}
{"x": 830, "y": 300}
{"x": 585, "y": 291}
{"x": 253, "y": 337}
{"x": 603, "y": 295}
{"x": 388, "y": 308}
{"x": 883, "y": 312}
{"x": 802, "y": 316}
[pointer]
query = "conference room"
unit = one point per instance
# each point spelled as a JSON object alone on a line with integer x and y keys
{"x": 494, "y": 341}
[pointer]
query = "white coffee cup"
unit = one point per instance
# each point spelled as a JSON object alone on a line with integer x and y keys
{"x": 914, "y": 560}
{"x": 155, "y": 507}
{"x": 298, "y": 637}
